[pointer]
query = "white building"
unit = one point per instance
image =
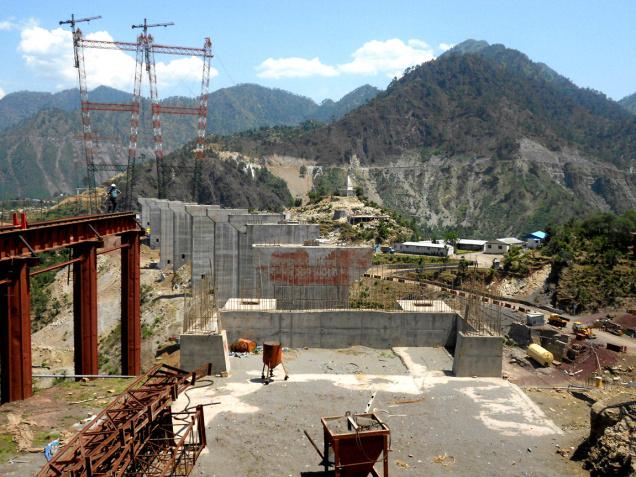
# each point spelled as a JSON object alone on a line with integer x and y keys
{"x": 426, "y": 247}
{"x": 502, "y": 245}
{"x": 471, "y": 244}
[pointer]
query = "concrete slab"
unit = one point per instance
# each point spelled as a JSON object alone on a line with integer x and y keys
{"x": 488, "y": 425}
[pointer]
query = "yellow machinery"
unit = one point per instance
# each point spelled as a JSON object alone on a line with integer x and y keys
{"x": 540, "y": 355}
{"x": 557, "y": 320}
{"x": 582, "y": 331}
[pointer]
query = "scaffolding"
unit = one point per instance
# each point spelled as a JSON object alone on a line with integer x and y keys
{"x": 329, "y": 285}
{"x": 199, "y": 309}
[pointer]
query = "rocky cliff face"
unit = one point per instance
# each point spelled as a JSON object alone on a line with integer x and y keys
{"x": 486, "y": 196}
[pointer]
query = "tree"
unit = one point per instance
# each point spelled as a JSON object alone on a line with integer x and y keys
{"x": 451, "y": 237}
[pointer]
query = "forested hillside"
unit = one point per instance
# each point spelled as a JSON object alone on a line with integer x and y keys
{"x": 482, "y": 140}
{"x": 41, "y": 150}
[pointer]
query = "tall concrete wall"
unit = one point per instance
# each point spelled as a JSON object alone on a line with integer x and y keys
{"x": 182, "y": 235}
{"x": 230, "y": 241}
{"x": 342, "y": 328}
{"x": 144, "y": 203}
{"x": 250, "y": 279}
{"x": 155, "y": 207}
{"x": 309, "y": 277}
{"x": 166, "y": 234}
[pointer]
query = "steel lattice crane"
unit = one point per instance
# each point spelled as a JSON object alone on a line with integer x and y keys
{"x": 145, "y": 49}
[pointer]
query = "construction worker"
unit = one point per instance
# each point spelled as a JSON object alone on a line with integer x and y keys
{"x": 113, "y": 193}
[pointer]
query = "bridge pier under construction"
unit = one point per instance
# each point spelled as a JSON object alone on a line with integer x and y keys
{"x": 84, "y": 235}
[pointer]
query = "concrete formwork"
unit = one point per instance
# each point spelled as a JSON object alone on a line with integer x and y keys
{"x": 308, "y": 277}
{"x": 182, "y": 235}
{"x": 156, "y": 206}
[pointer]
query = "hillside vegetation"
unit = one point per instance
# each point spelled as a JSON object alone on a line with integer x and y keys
{"x": 226, "y": 182}
{"x": 41, "y": 151}
{"x": 593, "y": 264}
{"x": 629, "y": 103}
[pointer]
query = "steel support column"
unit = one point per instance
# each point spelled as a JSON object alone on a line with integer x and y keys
{"x": 15, "y": 331}
{"x": 85, "y": 307}
{"x": 130, "y": 305}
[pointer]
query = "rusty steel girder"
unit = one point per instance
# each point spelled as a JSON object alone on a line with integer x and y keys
{"x": 19, "y": 245}
{"x": 54, "y": 234}
{"x": 138, "y": 434}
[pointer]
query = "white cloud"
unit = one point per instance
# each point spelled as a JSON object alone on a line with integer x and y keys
{"x": 50, "y": 54}
{"x": 6, "y": 25}
{"x": 275, "y": 68}
{"x": 2, "y": 93}
{"x": 445, "y": 46}
{"x": 388, "y": 57}
{"x": 181, "y": 70}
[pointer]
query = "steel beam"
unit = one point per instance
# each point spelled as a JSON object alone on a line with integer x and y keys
{"x": 138, "y": 433}
{"x": 43, "y": 236}
{"x": 15, "y": 332}
{"x": 130, "y": 304}
{"x": 85, "y": 307}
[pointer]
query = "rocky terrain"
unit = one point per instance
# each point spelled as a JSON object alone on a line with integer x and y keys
{"x": 481, "y": 140}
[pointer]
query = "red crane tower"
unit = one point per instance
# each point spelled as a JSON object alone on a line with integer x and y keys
{"x": 145, "y": 49}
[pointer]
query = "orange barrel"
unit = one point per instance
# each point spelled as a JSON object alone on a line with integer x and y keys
{"x": 272, "y": 354}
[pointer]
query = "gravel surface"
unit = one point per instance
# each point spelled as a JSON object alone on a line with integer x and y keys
{"x": 440, "y": 425}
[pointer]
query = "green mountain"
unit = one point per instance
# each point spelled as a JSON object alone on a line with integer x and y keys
{"x": 41, "y": 152}
{"x": 482, "y": 140}
{"x": 629, "y": 103}
{"x": 233, "y": 109}
{"x": 330, "y": 110}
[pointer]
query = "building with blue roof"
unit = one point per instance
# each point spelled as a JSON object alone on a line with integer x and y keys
{"x": 535, "y": 239}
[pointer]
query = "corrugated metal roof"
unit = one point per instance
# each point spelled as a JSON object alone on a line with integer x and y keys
{"x": 510, "y": 240}
{"x": 471, "y": 242}
{"x": 425, "y": 243}
{"x": 538, "y": 234}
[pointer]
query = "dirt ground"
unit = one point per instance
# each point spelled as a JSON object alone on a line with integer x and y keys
{"x": 54, "y": 413}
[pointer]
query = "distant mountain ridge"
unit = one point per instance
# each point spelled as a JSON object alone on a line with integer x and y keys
{"x": 482, "y": 140}
{"x": 41, "y": 150}
{"x": 629, "y": 103}
{"x": 233, "y": 109}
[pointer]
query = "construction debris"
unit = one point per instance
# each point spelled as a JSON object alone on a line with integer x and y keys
{"x": 243, "y": 345}
{"x": 138, "y": 432}
{"x": 612, "y": 436}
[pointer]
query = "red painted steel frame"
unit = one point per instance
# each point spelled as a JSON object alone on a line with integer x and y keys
{"x": 85, "y": 308}
{"x": 130, "y": 304}
{"x": 84, "y": 235}
{"x": 15, "y": 332}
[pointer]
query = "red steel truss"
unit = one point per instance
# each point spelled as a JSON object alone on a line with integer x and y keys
{"x": 138, "y": 434}
{"x": 19, "y": 246}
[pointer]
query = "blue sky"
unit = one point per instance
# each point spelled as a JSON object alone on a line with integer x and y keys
{"x": 321, "y": 49}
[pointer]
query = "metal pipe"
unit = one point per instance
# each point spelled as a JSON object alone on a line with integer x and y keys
{"x": 91, "y": 376}
{"x": 108, "y": 250}
{"x": 53, "y": 267}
